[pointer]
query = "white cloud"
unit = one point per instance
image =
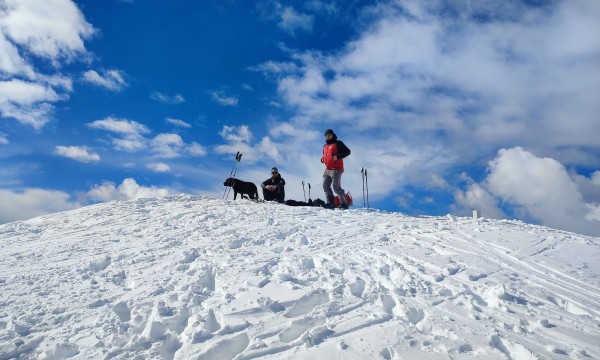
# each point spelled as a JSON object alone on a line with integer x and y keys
{"x": 535, "y": 187}
{"x": 273, "y": 67}
{"x": 3, "y": 139}
{"x": 110, "y": 79}
{"x": 25, "y": 93}
{"x": 419, "y": 69}
{"x": 27, "y": 102}
{"x": 178, "y": 123}
{"x": 475, "y": 197}
{"x": 291, "y": 21}
{"x": 167, "y": 99}
{"x": 132, "y": 138}
{"x": 269, "y": 148}
{"x": 195, "y": 149}
{"x": 236, "y": 134}
{"x": 239, "y": 138}
{"x": 11, "y": 61}
{"x": 77, "y": 153}
{"x": 167, "y": 146}
{"x": 129, "y": 189}
{"x": 429, "y": 87}
{"x": 131, "y": 132}
{"x": 288, "y": 19}
{"x": 52, "y": 29}
{"x": 130, "y": 143}
{"x": 121, "y": 126}
{"x": 31, "y": 203}
{"x": 224, "y": 100}
{"x": 159, "y": 167}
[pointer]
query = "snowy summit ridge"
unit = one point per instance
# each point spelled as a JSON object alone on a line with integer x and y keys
{"x": 188, "y": 277}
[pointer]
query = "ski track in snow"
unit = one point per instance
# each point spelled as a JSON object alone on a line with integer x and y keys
{"x": 189, "y": 277}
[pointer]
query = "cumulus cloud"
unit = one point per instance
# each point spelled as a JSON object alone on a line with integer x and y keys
{"x": 113, "y": 80}
{"x": 55, "y": 31}
{"x": 133, "y": 138}
{"x": 3, "y": 139}
{"x": 78, "y": 153}
{"x": 24, "y": 204}
{"x": 236, "y": 134}
{"x": 11, "y": 61}
{"x": 167, "y": 146}
{"x": 429, "y": 87}
{"x": 129, "y": 189}
{"x": 21, "y": 205}
{"x": 538, "y": 188}
{"x": 167, "y": 99}
{"x": 421, "y": 71}
{"x": 27, "y": 102}
{"x": 239, "y": 138}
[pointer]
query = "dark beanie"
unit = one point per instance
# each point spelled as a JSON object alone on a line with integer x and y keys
{"x": 329, "y": 131}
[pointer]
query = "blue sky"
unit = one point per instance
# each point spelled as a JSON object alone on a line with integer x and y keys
{"x": 450, "y": 105}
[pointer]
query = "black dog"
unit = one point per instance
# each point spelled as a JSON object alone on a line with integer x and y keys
{"x": 242, "y": 187}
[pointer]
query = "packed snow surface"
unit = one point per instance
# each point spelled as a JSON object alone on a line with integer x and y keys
{"x": 189, "y": 277}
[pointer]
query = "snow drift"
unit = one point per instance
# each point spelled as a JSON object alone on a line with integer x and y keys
{"x": 188, "y": 277}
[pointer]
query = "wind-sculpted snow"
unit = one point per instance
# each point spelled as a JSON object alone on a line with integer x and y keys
{"x": 189, "y": 277}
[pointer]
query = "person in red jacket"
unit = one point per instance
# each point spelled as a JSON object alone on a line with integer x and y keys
{"x": 334, "y": 151}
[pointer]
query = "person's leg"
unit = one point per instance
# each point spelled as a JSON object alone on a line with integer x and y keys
{"x": 281, "y": 194}
{"x": 327, "y": 180}
{"x": 337, "y": 187}
{"x": 268, "y": 195}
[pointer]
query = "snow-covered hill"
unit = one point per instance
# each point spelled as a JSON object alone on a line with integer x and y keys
{"x": 189, "y": 277}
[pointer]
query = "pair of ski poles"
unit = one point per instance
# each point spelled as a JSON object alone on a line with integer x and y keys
{"x": 365, "y": 180}
{"x": 304, "y": 191}
{"x": 232, "y": 173}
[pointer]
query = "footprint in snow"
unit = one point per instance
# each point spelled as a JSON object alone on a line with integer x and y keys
{"x": 307, "y": 303}
{"x": 477, "y": 277}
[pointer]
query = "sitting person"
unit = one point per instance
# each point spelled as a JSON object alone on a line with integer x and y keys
{"x": 273, "y": 187}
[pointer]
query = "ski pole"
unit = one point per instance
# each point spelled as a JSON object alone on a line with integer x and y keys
{"x": 304, "y": 191}
{"x": 367, "y": 182}
{"x": 233, "y": 172}
{"x": 362, "y": 173}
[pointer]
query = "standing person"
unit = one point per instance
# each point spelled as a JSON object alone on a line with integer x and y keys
{"x": 334, "y": 151}
{"x": 274, "y": 187}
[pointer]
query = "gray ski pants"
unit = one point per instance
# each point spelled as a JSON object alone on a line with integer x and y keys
{"x": 335, "y": 177}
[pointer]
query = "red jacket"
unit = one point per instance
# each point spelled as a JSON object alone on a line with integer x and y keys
{"x": 338, "y": 149}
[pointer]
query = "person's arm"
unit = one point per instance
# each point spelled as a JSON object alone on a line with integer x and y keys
{"x": 342, "y": 150}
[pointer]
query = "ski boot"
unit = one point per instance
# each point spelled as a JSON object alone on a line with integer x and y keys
{"x": 330, "y": 203}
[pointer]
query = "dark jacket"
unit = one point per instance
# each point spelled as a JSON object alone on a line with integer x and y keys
{"x": 334, "y": 147}
{"x": 277, "y": 181}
